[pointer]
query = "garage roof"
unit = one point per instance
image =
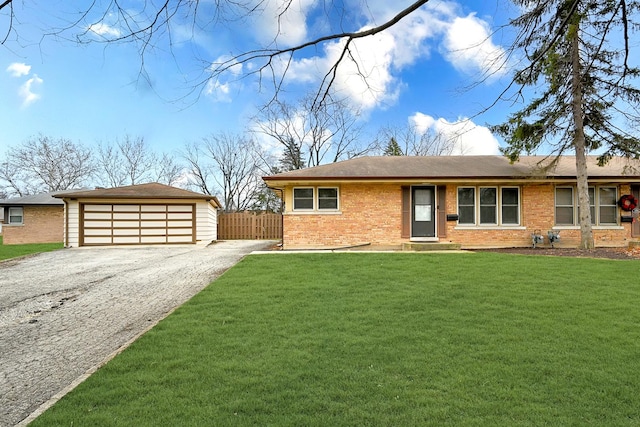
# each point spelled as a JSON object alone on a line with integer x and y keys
{"x": 153, "y": 190}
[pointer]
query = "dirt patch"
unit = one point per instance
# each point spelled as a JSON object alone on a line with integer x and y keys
{"x": 608, "y": 253}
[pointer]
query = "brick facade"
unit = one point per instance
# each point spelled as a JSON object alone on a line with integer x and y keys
{"x": 371, "y": 214}
{"x": 41, "y": 224}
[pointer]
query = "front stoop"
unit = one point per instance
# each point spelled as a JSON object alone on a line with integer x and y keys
{"x": 430, "y": 246}
{"x": 634, "y": 244}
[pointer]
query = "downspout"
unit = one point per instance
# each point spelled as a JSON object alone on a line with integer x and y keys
{"x": 281, "y": 218}
{"x": 281, "y": 190}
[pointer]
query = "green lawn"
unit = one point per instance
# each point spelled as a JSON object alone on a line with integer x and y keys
{"x": 14, "y": 251}
{"x": 399, "y": 339}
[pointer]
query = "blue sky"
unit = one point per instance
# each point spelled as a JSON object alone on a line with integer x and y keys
{"x": 94, "y": 92}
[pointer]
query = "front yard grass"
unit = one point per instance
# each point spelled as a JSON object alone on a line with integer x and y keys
{"x": 14, "y": 251}
{"x": 386, "y": 340}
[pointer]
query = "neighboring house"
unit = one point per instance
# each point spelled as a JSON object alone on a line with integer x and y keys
{"x": 467, "y": 201}
{"x": 32, "y": 219}
{"x": 138, "y": 214}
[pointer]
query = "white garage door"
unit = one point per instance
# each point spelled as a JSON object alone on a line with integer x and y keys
{"x": 135, "y": 224}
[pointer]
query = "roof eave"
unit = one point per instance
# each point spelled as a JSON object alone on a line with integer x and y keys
{"x": 414, "y": 179}
{"x": 135, "y": 197}
{"x": 30, "y": 204}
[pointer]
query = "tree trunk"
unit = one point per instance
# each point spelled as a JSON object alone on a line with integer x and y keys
{"x": 584, "y": 210}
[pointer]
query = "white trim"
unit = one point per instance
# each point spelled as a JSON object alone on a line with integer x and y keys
{"x": 595, "y": 204}
{"x": 498, "y": 208}
{"x": 307, "y": 212}
{"x": 316, "y": 201}
{"x": 495, "y": 207}
{"x": 313, "y": 199}
{"x": 593, "y": 227}
{"x": 9, "y": 209}
{"x": 501, "y": 205}
{"x": 489, "y": 227}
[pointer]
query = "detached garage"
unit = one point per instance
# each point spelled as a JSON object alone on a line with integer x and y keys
{"x": 142, "y": 214}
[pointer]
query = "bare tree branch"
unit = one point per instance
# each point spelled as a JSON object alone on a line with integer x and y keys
{"x": 43, "y": 164}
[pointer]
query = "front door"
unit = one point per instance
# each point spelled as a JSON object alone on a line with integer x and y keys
{"x": 423, "y": 212}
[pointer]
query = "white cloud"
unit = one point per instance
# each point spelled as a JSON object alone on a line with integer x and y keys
{"x": 217, "y": 89}
{"x": 283, "y": 22}
{"x": 104, "y": 30}
{"x": 468, "y": 138}
{"x": 219, "y": 92}
{"x": 18, "y": 69}
{"x": 368, "y": 81}
{"x": 226, "y": 64}
{"x": 373, "y": 79}
{"x": 367, "y": 76}
{"x": 26, "y": 91}
{"x": 470, "y": 49}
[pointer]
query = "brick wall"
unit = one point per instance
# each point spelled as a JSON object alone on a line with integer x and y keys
{"x": 42, "y": 224}
{"x": 372, "y": 214}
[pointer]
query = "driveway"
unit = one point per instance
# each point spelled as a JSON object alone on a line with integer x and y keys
{"x": 64, "y": 313}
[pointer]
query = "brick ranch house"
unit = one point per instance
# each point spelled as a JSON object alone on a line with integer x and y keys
{"x": 32, "y": 219}
{"x": 465, "y": 201}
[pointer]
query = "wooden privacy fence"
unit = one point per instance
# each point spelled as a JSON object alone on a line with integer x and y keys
{"x": 249, "y": 226}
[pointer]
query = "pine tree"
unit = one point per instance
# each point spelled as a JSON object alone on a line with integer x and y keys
{"x": 577, "y": 56}
{"x": 393, "y": 148}
{"x": 292, "y": 157}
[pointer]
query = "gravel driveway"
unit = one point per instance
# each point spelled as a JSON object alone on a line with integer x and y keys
{"x": 64, "y": 313}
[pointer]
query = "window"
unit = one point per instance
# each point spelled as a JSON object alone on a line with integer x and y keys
{"x": 303, "y": 199}
{"x": 602, "y": 203}
{"x": 510, "y": 206}
{"x": 592, "y": 204}
{"x": 328, "y": 198}
{"x": 315, "y": 199}
{"x": 466, "y": 205}
{"x": 15, "y": 215}
{"x": 607, "y": 205}
{"x": 564, "y": 206}
{"x": 489, "y": 206}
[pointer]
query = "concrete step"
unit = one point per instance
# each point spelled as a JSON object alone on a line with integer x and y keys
{"x": 430, "y": 246}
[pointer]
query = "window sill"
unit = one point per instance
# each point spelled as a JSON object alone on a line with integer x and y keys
{"x": 490, "y": 227}
{"x": 593, "y": 227}
{"x": 313, "y": 213}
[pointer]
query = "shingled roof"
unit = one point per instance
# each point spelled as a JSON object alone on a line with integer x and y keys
{"x": 151, "y": 190}
{"x": 457, "y": 167}
{"x": 42, "y": 199}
